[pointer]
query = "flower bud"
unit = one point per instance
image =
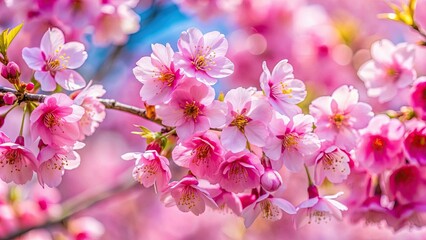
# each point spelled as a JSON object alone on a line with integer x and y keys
{"x": 313, "y": 191}
{"x": 20, "y": 140}
{"x": 9, "y": 98}
{"x": 30, "y": 86}
{"x": 13, "y": 69}
{"x": 155, "y": 145}
{"x": 271, "y": 180}
{"x": 4, "y": 72}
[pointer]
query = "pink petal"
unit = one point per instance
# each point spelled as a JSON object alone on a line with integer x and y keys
{"x": 233, "y": 139}
{"x": 256, "y": 133}
{"x": 286, "y": 206}
{"x": 52, "y": 40}
{"x": 70, "y": 80}
{"x": 223, "y": 67}
{"x": 75, "y": 52}
{"x": 33, "y": 57}
{"x": 381, "y": 51}
{"x": 46, "y": 80}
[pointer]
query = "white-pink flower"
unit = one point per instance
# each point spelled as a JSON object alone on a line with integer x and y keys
{"x": 292, "y": 141}
{"x": 192, "y": 109}
{"x": 270, "y": 207}
{"x": 203, "y": 56}
{"x": 158, "y": 74}
{"x": 332, "y": 163}
{"x": 390, "y": 70}
{"x": 247, "y": 120}
{"x": 281, "y": 89}
{"x": 55, "y": 121}
{"x": 187, "y": 196}
{"x": 150, "y": 168}
{"x": 339, "y": 117}
{"x": 54, "y": 60}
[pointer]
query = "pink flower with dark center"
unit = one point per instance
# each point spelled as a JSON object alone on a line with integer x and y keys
{"x": 55, "y": 121}
{"x": 192, "y": 109}
{"x": 240, "y": 171}
{"x": 187, "y": 196}
{"x": 150, "y": 168}
{"x": 54, "y": 61}
{"x": 246, "y": 120}
{"x": 332, "y": 163}
{"x": 281, "y": 89}
{"x": 226, "y": 201}
{"x": 158, "y": 75}
{"x": 415, "y": 144}
{"x": 391, "y": 69}
{"x": 339, "y": 117}
{"x": 418, "y": 97}
{"x": 407, "y": 184}
{"x": 270, "y": 207}
{"x": 292, "y": 141}
{"x": 380, "y": 145}
{"x": 203, "y": 56}
{"x": 17, "y": 163}
{"x": 202, "y": 154}
{"x": 411, "y": 214}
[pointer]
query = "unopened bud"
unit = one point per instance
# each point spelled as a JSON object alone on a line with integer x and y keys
{"x": 313, "y": 191}
{"x": 13, "y": 69}
{"x": 20, "y": 140}
{"x": 9, "y": 98}
{"x": 154, "y": 145}
{"x": 30, "y": 86}
{"x": 271, "y": 180}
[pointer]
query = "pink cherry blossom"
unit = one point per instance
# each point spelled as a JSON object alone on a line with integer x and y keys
{"x": 55, "y": 121}
{"x": 203, "y": 56}
{"x": 281, "y": 89}
{"x": 292, "y": 141}
{"x": 407, "y": 184}
{"x": 319, "y": 209}
{"x": 246, "y": 120}
{"x": 54, "y": 162}
{"x": 411, "y": 214}
{"x": 9, "y": 98}
{"x": 54, "y": 61}
{"x": 202, "y": 154}
{"x": 418, "y": 97}
{"x": 270, "y": 207}
{"x": 380, "y": 145}
{"x": 226, "y": 201}
{"x": 391, "y": 69}
{"x": 17, "y": 163}
{"x": 150, "y": 168}
{"x": 187, "y": 196}
{"x": 415, "y": 143}
{"x": 240, "y": 171}
{"x": 94, "y": 110}
{"x": 158, "y": 75}
{"x": 192, "y": 110}
{"x": 339, "y": 117}
{"x": 372, "y": 211}
{"x": 332, "y": 163}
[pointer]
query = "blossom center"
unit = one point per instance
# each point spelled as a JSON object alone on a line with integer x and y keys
{"x": 338, "y": 119}
{"x": 290, "y": 140}
{"x": 392, "y": 73}
{"x": 378, "y": 144}
{"x": 269, "y": 211}
{"x": 237, "y": 173}
{"x": 188, "y": 197}
{"x": 200, "y": 62}
{"x": 54, "y": 64}
{"x": 285, "y": 90}
{"x": 191, "y": 110}
{"x": 240, "y": 122}
{"x": 50, "y": 120}
{"x": 318, "y": 216}
{"x": 202, "y": 153}
{"x": 419, "y": 141}
{"x": 167, "y": 77}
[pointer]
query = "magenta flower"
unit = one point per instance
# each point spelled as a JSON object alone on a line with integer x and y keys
{"x": 192, "y": 110}
{"x": 407, "y": 184}
{"x": 187, "y": 196}
{"x": 380, "y": 145}
{"x": 240, "y": 171}
{"x": 332, "y": 163}
{"x": 270, "y": 207}
{"x": 17, "y": 163}
{"x": 226, "y": 201}
{"x": 94, "y": 110}
{"x": 415, "y": 143}
{"x": 292, "y": 141}
{"x": 54, "y": 162}
{"x": 202, "y": 154}
{"x": 54, "y": 61}
{"x": 158, "y": 75}
{"x": 56, "y": 121}
{"x": 281, "y": 89}
{"x": 203, "y": 56}
{"x": 418, "y": 97}
{"x": 339, "y": 117}
{"x": 411, "y": 214}
{"x": 246, "y": 120}
{"x": 150, "y": 168}
{"x": 319, "y": 209}
{"x": 391, "y": 69}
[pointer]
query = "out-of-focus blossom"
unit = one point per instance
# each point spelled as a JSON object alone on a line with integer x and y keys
{"x": 192, "y": 109}
{"x": 418, "y": 97}
{"x": 85, "y": 228}
{"x": 150, "y": 168}
{"x": 281, "y": 89}
{"x": 270, "y": 207}
{"x": 391, "y": 69}
{"x": 339, "y": 117}
{"x": 54, "y": 61}
{"x": 203, "y": 56}
{"x": 415, "y": 143}
{"x": 407, "y": 184}
{"x": 332, "y": 163}
{"x": 157, "y": 74}
{"x": 246, "y": 120}
{"x": 380, "y": 145}
{"x": 292, "y": 141}
{"x": 202, "y": 154}
{"x": 240, "y": 171}
{"x": 55, "y": 121}
{"x": 187, "y": 196}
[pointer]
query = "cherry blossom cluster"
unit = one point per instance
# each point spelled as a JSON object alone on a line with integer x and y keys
{"x": 59, "y": 123}
{"x": 25, "y": 206}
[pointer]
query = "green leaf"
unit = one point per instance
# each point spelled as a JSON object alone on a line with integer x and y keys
{"x": 12, "y": 34}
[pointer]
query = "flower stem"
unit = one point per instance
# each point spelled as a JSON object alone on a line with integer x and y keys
{"x": 21, "y": 130}
{"x": 309, "y": 176}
